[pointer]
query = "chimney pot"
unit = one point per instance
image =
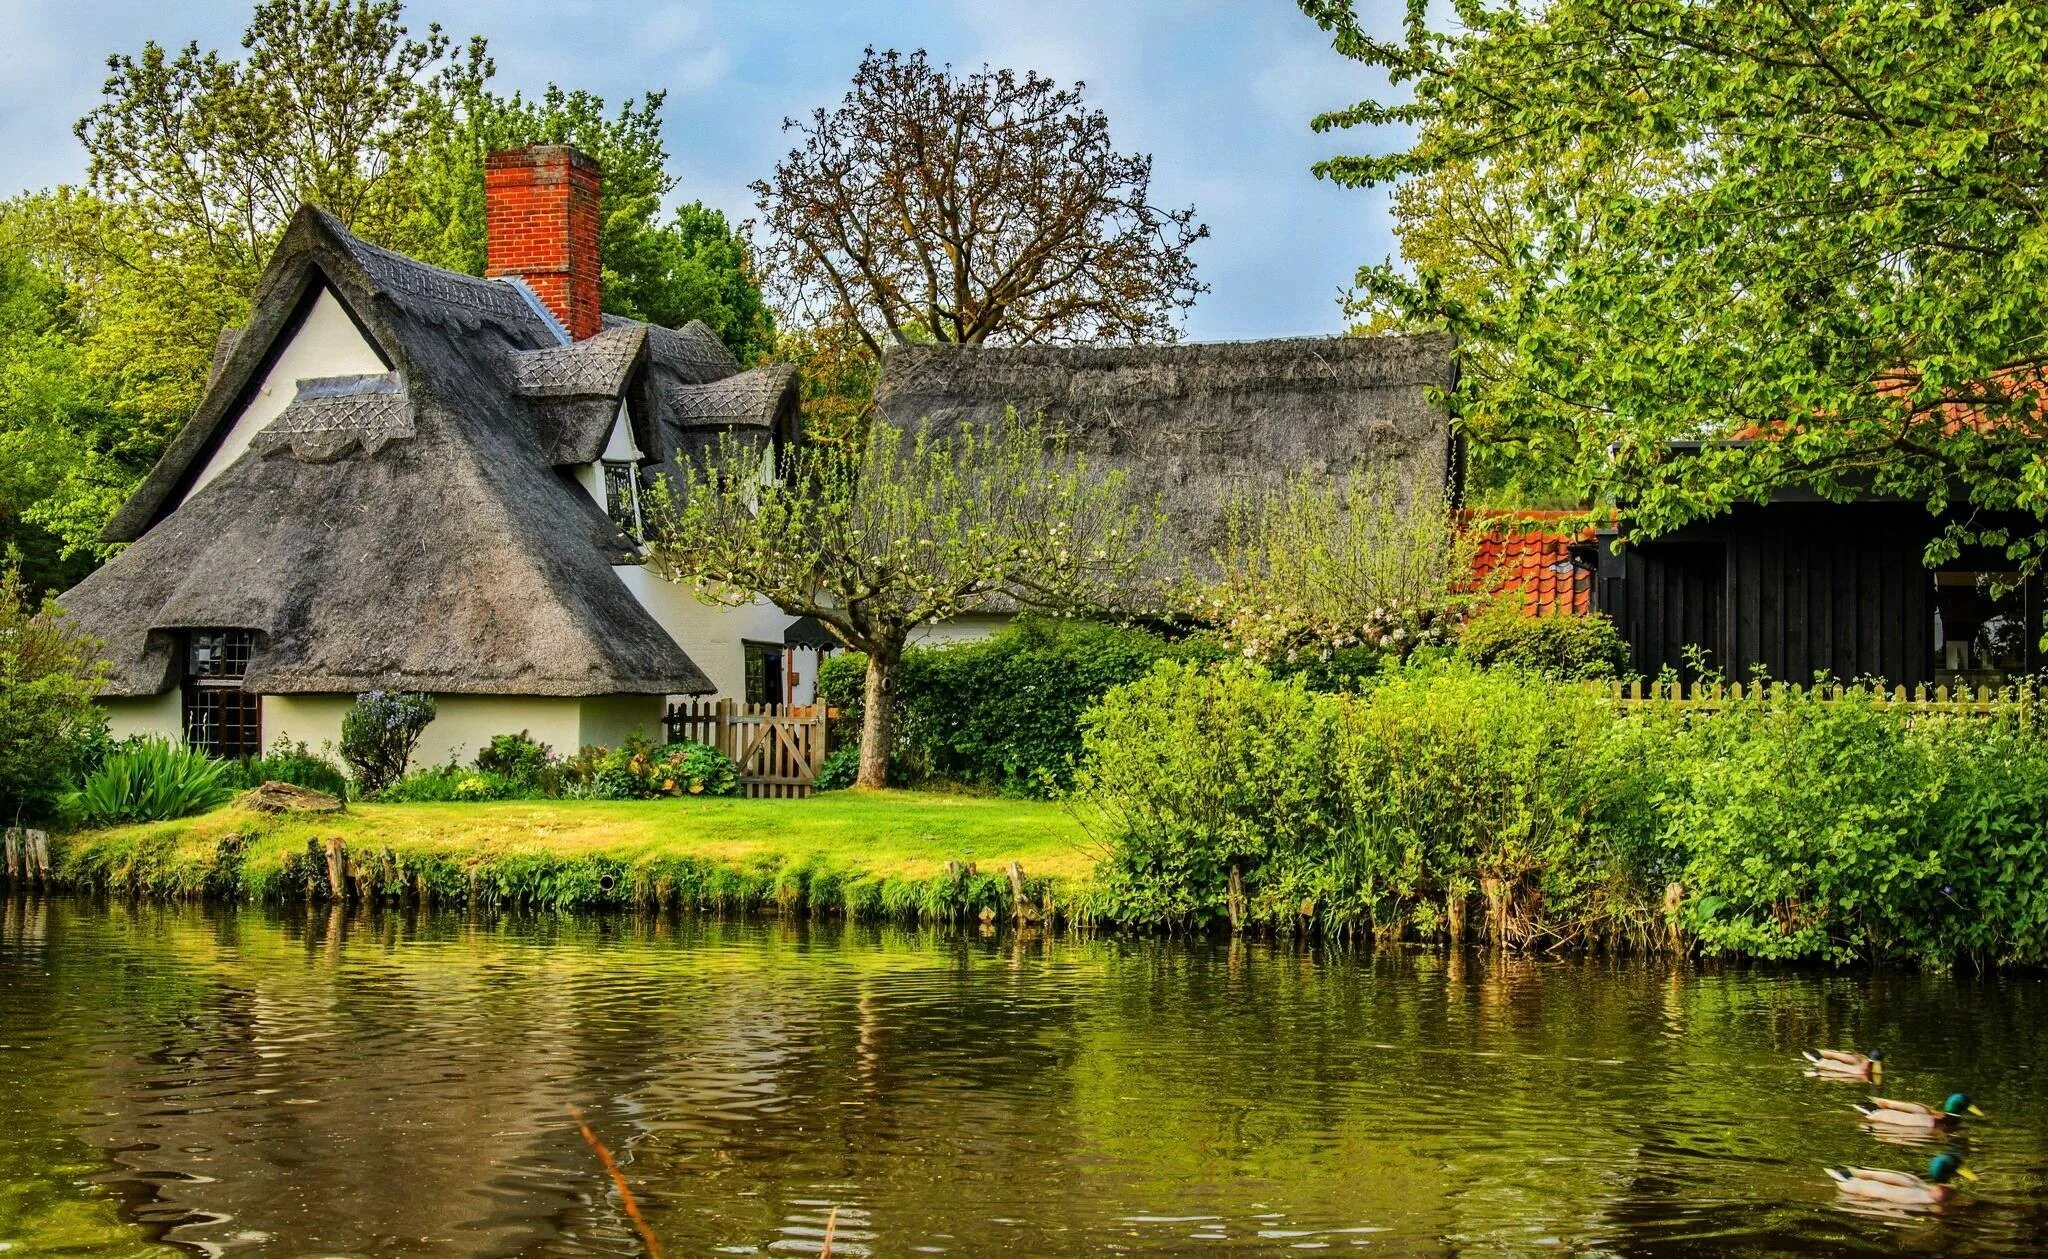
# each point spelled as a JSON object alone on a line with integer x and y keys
{"x": 541, "y": 220}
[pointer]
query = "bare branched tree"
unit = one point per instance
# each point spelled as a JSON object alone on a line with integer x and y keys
{"x": 986, "y": 207}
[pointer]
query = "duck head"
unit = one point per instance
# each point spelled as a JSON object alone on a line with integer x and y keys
{"x": 1945, "y": 1166}
{"x": 1959, "y": 1104}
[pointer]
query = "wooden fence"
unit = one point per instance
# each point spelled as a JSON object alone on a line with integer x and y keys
{"x": 778, "y": 747}
{"x": 2032, "y": 698}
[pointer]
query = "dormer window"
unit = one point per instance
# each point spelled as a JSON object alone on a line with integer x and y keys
{"x": 622, "y": 497}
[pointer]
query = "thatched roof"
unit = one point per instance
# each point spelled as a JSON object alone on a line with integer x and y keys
{"x": 413, "y": 528}
{"x": 1198, "y": 424}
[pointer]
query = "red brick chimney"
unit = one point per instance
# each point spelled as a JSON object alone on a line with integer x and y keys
{"x": 540, "y": 213}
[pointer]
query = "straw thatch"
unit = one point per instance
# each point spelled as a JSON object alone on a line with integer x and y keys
{"x": 1198, "y": 424}
{"x": 412, "y": 529}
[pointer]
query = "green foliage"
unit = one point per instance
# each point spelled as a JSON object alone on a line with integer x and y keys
{"x": 638, "y": 770}
{"x": 521, "y": 759}
{"x": 149, "y": 780}
{"x": 49, "y": 725}
{"x": 1334, "y": 562}
{"x": 452, "y": 783}
{"x": 839, "y": 768}
{"x": 1787, "y": 826}
{"x": 1004, "y": 713}
{"x": 1820, "y": 219}
{"x": 293, "y": 763}
{"x": 379, "y": 732}
{"x": 1564, "y": 646}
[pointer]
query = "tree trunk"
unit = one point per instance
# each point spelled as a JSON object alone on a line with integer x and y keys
{"x": 877, "y": 721}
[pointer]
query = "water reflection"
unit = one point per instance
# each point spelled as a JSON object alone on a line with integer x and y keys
{"x": 252, "y": 1082}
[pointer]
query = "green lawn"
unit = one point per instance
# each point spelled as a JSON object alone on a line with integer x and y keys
{"x": 894, "y": 844}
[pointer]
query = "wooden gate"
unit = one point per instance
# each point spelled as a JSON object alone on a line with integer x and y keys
{"x": 778, "y": 747}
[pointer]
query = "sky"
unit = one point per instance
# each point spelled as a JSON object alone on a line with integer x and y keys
{"x": 1220, "y": 92}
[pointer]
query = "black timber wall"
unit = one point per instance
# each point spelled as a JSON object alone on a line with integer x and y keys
{"x": 1795, "y": 588}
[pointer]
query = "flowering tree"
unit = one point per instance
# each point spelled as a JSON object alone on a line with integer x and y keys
{"x": 877, "y": 538}
{"x": 1324, "y": 562}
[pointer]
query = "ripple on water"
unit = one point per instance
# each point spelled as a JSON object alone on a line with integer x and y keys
{"x": 248, "y": 1082}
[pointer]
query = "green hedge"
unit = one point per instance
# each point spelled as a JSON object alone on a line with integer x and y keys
{"x": 1539, "y": 812}
{"x": 1002, "y": 714}
{"x": 1568, "y": 646}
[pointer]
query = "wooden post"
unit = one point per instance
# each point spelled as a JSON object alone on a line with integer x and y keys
{"x": 39, "y": 843}
{"x": 13, "y": 843}
{"x": 1020, "y": 909}
{"x": 337, "y": 869}
{"x": 1236, "y": 900}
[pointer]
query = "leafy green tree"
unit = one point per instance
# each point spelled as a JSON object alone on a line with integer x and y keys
{"x": 1817, "y": 225}
{"x": 879, "y": 537}
{"x": 48, "y": 722}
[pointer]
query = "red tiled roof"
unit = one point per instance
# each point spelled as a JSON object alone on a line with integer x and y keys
{"x": 1536, "y": 561}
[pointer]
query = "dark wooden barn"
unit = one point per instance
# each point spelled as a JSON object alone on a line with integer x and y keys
{"x": 1801, "y": 586}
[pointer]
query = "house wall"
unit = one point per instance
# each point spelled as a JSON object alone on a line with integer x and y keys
{"x": 714, "y": 637}
{"x": 1796, "y": 588}
{"x": 972, "y": 628}
{"x": 462, "y": 723}
{"x": 327, "y": 343}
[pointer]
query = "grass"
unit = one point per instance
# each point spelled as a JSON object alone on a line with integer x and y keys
{"x": 896, "y": 854}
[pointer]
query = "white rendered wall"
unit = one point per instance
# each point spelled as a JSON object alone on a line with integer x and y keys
{"x": 713, "y": 637}
{"x": 327, "y": 344}
{"x": 151, "y": 715}
{"x": 463, "y": 724}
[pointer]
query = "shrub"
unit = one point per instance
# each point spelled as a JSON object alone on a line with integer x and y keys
{"x": 293, "y": 763}
{"x": 150, "y": 780}
{"x": 1004, "y": 713}
{"x": 638, "y": 770}
{"x": 379, "y": 732}
{"x": 50, "y": 729}
{"x": 451, "y": 784}
{"x": 839, "y": 769}
{"x": 521, "y": 759}
{"x": 1564, "y": 646}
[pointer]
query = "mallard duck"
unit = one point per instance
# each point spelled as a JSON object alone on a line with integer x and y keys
{"x": 1903, "y": 1188}
{"x": 1845, "y": 1064}
{"x": 1883, "y": 1110}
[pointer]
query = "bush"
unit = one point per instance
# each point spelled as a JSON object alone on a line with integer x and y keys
{"x": 293, "y": 763}
{"x": 839, "y": 769}
{"x": 150, "y": 780}
{"x": 638, "y": 770}
{"x": 379, "y": 732}
{"x": 50, "y": 729}
{"x": 1783, "y": 826}
{"x": 453, "y": 784}
{"x": 1005, "y": 713}
{"x": 523, "y": 760}
{"x": 1587, "y": 647}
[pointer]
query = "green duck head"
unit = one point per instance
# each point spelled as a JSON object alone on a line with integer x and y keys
{"x": 1945, "y": 1166}
{"x": 1959, "y": 1104}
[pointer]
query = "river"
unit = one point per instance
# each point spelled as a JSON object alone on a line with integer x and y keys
{"x": 188, "y": 1080}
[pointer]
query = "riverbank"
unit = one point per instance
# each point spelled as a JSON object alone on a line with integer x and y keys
{"x": 900, "y": 855}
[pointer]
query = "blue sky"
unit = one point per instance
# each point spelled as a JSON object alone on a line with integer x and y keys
{"x": 1219, "y": 91}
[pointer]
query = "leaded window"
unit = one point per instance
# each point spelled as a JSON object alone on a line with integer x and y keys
{"x": 622, "y": 498}
{"x": 221, "y": 719}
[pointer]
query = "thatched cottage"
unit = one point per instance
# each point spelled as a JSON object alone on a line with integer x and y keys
{"x": 406, "y": 478}
{"x": 1199, "y": 424}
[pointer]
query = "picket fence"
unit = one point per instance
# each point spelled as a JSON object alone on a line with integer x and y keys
{"x": 778, "y": 747}
{"x": 2029, "y": 699}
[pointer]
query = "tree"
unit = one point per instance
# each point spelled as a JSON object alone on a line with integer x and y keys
{"x": 879, "y": 537}
{"x": 1806, "y": 236}
{"x": 48, "y": 721}
{"x": 1324, "y": 563}
{"x": 970, "y": 208}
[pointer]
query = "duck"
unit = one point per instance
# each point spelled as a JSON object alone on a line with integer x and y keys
{"x": 1846, "y": 1064}
{"x": 1884, "y": 1110}
{"x": 1877, "y": 1184}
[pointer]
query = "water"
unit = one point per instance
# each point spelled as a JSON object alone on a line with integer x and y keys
{"x": 252, "y": 1082}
